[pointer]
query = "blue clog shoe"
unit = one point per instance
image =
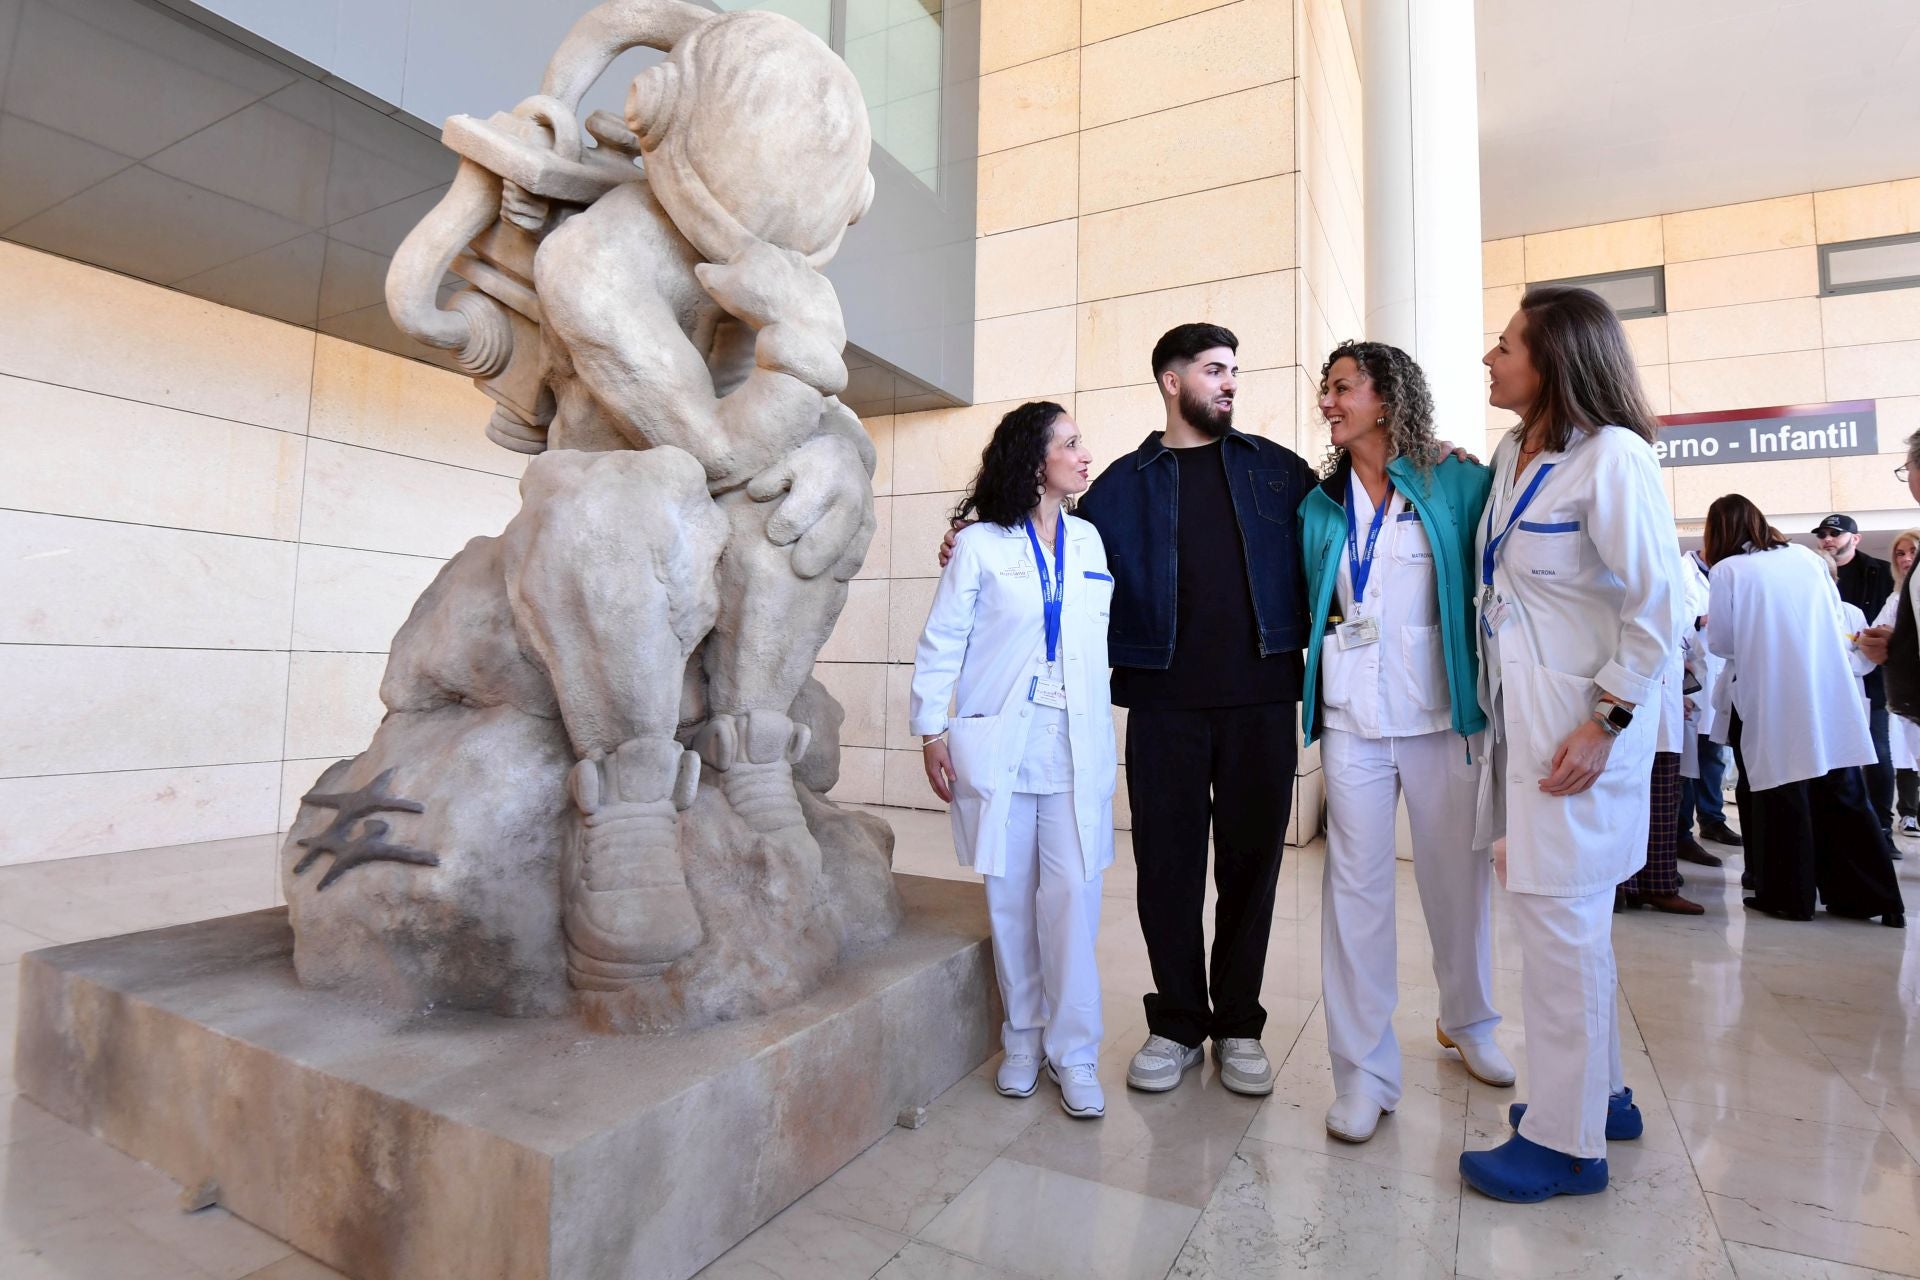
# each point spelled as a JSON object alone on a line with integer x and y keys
{"x": 1623, "y": 1118}
{"x": 1522, "y": 1172}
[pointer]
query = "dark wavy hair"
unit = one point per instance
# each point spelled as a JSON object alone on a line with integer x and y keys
{"x": 1733, "y": 525}
{"x": 1007, "y": 486}
{"x": 1402, "y": 387}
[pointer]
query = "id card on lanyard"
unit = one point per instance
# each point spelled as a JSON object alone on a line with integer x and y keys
{"x": 1493, "y": 609}
{"x": 1050, "y": 690}
{"x": 1358, "y": 632}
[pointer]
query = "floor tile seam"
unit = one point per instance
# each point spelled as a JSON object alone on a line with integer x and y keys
{"x": 1774, "y": 1116}
{"x": 1693, "y": 1167}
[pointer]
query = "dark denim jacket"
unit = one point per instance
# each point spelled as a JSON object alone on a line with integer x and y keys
{"x": 1135, "y": 503}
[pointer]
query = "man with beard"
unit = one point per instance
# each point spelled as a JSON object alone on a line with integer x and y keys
{"x": 1209, "y": 615}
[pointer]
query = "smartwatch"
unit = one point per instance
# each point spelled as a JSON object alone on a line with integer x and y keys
{"x": 1612, "y": 717}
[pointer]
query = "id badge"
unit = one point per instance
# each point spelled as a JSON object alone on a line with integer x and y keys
{"x": 1048, "y": 693}
{"x": 1358, "y": 633}
{"x": 1494, "y": 615}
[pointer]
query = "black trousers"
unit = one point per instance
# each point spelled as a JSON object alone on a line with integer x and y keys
{"x": 1906, "y": 786}
{"x": 1879, "y": 774}
{"x": 1818, "y": 837}
{"x": 1229, "y": 769}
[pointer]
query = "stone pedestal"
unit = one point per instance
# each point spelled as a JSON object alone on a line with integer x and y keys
{"x": 450, "y": 1144}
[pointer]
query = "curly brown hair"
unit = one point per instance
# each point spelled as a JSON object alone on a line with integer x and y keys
{"x": 1402, "y": 386}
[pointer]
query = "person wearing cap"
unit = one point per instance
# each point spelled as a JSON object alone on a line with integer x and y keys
{"x": 1865, "y": 583}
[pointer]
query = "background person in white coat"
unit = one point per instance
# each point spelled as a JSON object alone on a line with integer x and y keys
{"x": 1657, "y": 884}
{"x": 1016, "y": 643}
{"x": 1703, "y": 761}
{"x": 1799, "y": 724}
{"x": 1578, "y": 614}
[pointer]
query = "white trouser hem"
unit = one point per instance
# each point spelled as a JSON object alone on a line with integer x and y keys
{"x": 1046, "y": 918}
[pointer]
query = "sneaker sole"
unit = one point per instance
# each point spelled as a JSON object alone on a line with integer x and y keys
{"x": 1084, "y": 1113}
{"x": 1355, "y": 1138}
{"x": 1014, "y": 1093}
{"x": 1155, "y": 1086}
{"x": 1247, "y": 1090}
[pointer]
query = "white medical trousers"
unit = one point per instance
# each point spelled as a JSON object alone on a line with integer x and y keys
{"x": 1046, "y": 917}
{"x": 1358, "y": 957}
{"x": 1567, "y": 994}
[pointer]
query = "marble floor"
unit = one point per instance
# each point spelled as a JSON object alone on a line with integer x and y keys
{"x": 1778, "y": 1066}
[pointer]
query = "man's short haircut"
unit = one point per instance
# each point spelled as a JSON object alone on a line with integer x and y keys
{"x": 1182, "y": 343}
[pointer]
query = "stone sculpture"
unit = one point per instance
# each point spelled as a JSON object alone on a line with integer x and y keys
{"x": 602, "y": 771}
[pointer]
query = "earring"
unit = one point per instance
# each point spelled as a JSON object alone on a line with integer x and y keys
{"x": 1379, "y": 422}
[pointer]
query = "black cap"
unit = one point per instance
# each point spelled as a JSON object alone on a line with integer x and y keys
{"x": 1839, "y": 524}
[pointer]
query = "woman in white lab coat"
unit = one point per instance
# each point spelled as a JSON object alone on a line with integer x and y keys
{"x": 1578, "y": 615}
{"x": 1391, "y": 695}
{"x": 1657, "y": 884}
{"x": 1799, "y": 724}
{"x": 1010, "y": 694}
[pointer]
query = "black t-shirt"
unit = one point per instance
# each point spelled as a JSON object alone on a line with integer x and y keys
{"x": 1865, "y": 583}
{"x": 1216, "y": 642}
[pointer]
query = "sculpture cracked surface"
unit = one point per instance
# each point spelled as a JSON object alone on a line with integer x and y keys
{"x": 603, "y": 766}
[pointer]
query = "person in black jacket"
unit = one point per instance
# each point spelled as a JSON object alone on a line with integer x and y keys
{"x": 1865, "y": 583}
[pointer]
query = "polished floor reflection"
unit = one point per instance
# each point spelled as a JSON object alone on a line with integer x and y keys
{"x": 1778, "y": 1066}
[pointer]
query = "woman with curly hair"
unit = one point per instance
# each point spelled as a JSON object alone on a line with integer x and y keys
{"x": 1391, "y": 680}
{"x": 1016, "y": 645}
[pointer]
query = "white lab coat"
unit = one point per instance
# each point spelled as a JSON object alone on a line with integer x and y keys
{"x": 1588, "y": 584}
{"x": 1776, "y": 617}
{"x": 1675, "y": 730}
{"x": 982, "y": 645}
{"x": 1704, "y": 663}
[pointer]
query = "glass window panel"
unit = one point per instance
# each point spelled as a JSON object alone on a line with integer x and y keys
{"x": 1631, "y": 294}
{"x": 895, "y": 48}
{"x": 1890, "y": 264}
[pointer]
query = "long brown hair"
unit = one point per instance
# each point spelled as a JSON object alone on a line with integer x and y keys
{"x": 1733, "y": 524}
{"x": 1587, "y": 376}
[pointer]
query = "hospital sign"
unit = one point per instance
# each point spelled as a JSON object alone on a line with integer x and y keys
{"x": 1783, "y": 434}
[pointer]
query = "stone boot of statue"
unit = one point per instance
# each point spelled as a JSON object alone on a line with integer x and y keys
{"x": 754, "y": 754}
{"x": 627, "y": 913}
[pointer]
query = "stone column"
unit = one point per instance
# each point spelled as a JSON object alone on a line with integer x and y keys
{"x": 1422, "y": 135}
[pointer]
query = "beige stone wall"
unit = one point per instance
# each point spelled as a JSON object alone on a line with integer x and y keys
{"x": 1143, "y": 163}
{"x": 1746, "y": 328}
{"x": 211, "y": 524}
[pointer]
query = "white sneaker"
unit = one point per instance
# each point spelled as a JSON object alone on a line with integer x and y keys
{"x": 1243, "y": 1066}
{"x": 1019, "y": 1075}
{"x": 1353, "y": 1117}
{"x": 1161, "y": 1064}
{"x": 1080, "y": 1093}
{"x": 1484, "y": 1061}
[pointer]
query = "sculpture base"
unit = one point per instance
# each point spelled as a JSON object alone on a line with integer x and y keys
{"x": 449, "y": 1144}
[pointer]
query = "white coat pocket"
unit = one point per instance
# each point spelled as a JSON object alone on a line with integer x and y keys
{"x": 1546, "y": 548}
{"x": 971, "y": 742}
{"x": 1425, "y": 662}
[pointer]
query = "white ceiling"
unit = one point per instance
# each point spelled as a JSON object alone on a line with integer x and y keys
{"x": 1596, "y": 110}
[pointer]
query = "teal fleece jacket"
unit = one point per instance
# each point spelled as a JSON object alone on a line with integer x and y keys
{"x": 1450, "y": 504}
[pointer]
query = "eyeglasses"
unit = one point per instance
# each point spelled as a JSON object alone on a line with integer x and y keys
{"x": 1900, "y": 473}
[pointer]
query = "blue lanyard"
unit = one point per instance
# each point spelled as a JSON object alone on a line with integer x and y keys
{"x": 1493, "y": 543}
{"x": 1359, "y": 568}
{"x": 1053, "y": 588}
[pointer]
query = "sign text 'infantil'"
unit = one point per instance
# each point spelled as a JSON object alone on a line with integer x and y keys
{"x": 1785, "y": 434}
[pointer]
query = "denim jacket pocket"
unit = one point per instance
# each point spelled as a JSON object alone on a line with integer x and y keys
{"x": 1274, "y": 497}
